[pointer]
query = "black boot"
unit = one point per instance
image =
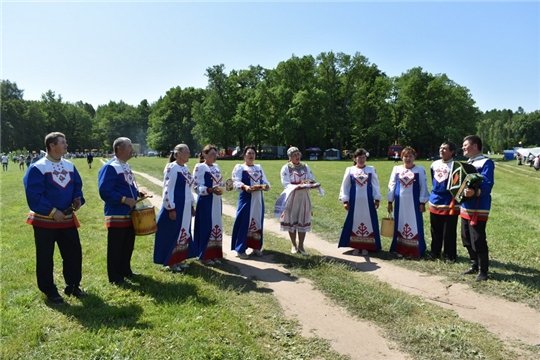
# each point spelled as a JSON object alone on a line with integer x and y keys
{"x": 473, "y": 269}
{"x": 483, "y": 260}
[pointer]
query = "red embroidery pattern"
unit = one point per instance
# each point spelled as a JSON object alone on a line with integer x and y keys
{"x": 128, "y": 176}
{"x": 362, "y": 230}
{"x": 183, "y": 238}
{"x": 216, "y": 233}
{"x": 253, "y": 225}
{"x": 297, "y": 174}
{"x": 407, "y": 233}
{"x": 60, "y": 175}
{"x": 187, "y": 176}
{"x": 254, "y": 174}
{"x": 361, "y": 178}
{"x": 441, "y": 174}
{"x": 406, "y": 178}
{"x": 215, "y": 174}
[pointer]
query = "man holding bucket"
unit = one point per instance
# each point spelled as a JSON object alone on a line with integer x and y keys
{"x": 119, "y": 191}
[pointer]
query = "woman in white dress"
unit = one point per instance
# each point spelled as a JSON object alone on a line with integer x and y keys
{"x": 173, "y": 237}
{"x": 360, "y": 194}
{"x": 408, "y": 188}
{"x": 249, "y": 180}
{"x": 208, "y": 229}
{"x": 297, "y": 177}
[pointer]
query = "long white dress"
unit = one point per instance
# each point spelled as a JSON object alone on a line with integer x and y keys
{"x": 208, "y": 229}
{"x": 248, "y": 224}
{"x": 173, "y": 237}
{"x": 297, "y": 213}
{"x": 408, "y": 188}
{"x": 360, "y": 187}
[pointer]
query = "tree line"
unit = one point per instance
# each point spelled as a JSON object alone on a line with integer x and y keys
{"x": 332, "y": 100}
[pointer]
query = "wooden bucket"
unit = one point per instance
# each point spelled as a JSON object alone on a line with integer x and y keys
{"x": 144, "y": 220}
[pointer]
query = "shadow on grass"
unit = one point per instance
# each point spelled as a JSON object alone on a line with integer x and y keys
{"x": 311, "y": 261}
{"x": 269, "y": 275}
{"x": 166, "y": 291}
{"x": 509, "y": 272}
{"x": 226, "y": 276}
{"x": 364, "y": 263}
{"x": 94, "y": 313}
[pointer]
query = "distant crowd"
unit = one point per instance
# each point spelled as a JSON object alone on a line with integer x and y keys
{"x": 25, "y": 159}
{"x": 530, "y": 160}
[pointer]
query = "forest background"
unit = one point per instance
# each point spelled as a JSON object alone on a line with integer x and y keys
{"x": 333, "y": 100}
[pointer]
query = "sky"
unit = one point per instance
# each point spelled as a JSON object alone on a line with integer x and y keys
{"x": 97, "y": 51}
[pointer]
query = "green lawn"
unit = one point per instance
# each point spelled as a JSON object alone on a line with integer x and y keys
{"x": 216, "y": 314}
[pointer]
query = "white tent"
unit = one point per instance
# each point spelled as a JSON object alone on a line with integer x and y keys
{"x": 526, "y": 151}
{"x": 331, "y": 154}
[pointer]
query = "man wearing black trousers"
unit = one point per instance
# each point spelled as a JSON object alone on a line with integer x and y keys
{"x": 54, "y": 192}
{"x": 444, "y": 212}
{"x": 474, "y": 212}
{"x": 118, "y": 190}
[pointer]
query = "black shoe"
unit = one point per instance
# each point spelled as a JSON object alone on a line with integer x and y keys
{"x": 120, "y": 282}
{"x": 482, "y": 276}
{"x": 75, "y": 291}
{"x": 55, "y": 298}
{"x": 470, "y": 271}
{"x": 473, "y": 269}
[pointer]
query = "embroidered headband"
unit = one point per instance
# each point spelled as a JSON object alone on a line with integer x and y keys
{"x": 292, "y": 150}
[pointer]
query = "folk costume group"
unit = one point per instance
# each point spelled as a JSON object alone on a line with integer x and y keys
{"x": 53, "y": 189}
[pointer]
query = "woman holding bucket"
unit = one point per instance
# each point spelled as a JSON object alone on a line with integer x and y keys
{"x": 173, "y": 237}
{"x": 408, "y": 188}
{"x": 208, "y": 231}
{"x": 249, "y": 180}
{"x": 360, "y": 195}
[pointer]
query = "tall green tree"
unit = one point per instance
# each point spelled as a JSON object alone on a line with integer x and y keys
{"x": 116, "y": 120}
{"x": 252, "y": 106}
{"x": 55, "y": 117}
{"x": 34, "y": 118}
{"x": 432, "y": 108}
{"x": 12, "y": 107}
{"x": 298, "y": 109}
{"x": 77, "y": 127}
{"x": 214, "y": 117}
{"x": 171, "y": 120}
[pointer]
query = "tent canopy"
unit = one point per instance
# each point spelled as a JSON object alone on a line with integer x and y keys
{"x": 331, "y": 154}
{"x": 527, "y": 151}
{"x": 314, "y": 149}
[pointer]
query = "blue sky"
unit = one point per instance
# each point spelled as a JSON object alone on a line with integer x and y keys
{"x": 130, "y": 51}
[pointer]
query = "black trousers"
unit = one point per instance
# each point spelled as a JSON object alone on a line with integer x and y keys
{"x": 474, "y": 238}
{"x": 120, "y": 244}
{"x": 69, "y": 244}
{"x": 444, "y": 234}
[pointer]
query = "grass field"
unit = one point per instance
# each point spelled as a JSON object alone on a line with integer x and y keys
{"x": 216, "y": 314}
{"x": 513, "y": 229}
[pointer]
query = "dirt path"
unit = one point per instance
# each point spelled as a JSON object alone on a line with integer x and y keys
{"x": 316, "y": 314}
